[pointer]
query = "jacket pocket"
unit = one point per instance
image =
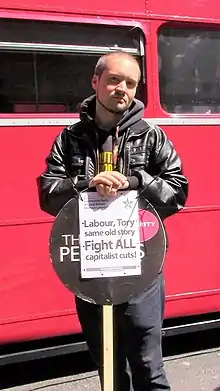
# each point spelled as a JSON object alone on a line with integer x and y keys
{"x": 139, "y": 158}
{"x": 77, "y": 163}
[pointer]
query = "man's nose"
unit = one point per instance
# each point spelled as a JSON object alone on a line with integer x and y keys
{"x": 121, "y": 86}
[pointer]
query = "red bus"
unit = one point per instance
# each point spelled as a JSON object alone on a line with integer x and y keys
{"x": 47, "y": 54}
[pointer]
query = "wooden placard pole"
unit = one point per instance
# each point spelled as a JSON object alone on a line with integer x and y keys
{"x": 108, "y": 348}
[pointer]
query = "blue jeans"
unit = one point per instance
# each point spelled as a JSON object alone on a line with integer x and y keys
{"x": 137, "y": 338}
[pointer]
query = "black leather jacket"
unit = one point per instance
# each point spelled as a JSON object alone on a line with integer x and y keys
{"x": 144, "y": 152}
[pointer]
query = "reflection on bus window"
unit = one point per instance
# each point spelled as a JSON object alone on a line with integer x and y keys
{"x": 5, "y": 105}
{"x": 189, "y": 70}
{"x": 42, "y": 83}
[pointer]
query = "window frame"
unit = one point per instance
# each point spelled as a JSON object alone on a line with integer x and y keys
{"x": 189, "y": 27}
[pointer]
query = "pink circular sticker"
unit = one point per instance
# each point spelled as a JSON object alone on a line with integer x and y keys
{"x": 149, "y": 225}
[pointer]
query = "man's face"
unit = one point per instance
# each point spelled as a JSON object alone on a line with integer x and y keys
{"x": 116, "y": 87}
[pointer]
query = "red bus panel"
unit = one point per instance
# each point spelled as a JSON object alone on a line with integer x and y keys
{"x": 200, "y": 10}
{"x": 34, "y": 303}
{"x": 86, "y": 6}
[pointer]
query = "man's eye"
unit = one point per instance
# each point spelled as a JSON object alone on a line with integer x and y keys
{"x": 114, "y": 79}
{"x": 131, "y": 84}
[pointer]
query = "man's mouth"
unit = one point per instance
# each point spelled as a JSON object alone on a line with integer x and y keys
{"x": 119, "y": 98}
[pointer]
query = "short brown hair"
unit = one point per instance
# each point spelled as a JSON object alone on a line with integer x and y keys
{"x": 101, "y": 64}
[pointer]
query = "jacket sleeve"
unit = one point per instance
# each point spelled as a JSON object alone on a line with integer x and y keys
{"x": 55, "y": 187}
{"x": 164, "y": 186}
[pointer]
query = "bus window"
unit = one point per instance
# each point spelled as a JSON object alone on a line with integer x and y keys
{"x": 189, "y": 70}
{"x": 46, "y": 67}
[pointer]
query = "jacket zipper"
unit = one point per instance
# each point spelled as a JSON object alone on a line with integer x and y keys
{"x": 126, "y": 166}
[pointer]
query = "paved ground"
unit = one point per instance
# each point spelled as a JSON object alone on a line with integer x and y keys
{"x": 198, "y": 372}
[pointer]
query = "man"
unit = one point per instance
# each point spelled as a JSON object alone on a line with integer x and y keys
{"x": 112, "y": 148}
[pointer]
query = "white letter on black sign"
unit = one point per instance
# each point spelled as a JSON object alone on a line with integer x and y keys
{"x": 63, "y": 252}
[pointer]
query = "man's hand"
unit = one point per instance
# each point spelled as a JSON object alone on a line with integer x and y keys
{"x": 107, "y": 183}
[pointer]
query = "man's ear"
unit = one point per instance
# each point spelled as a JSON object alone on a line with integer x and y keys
{"x": 95, "y": 82}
